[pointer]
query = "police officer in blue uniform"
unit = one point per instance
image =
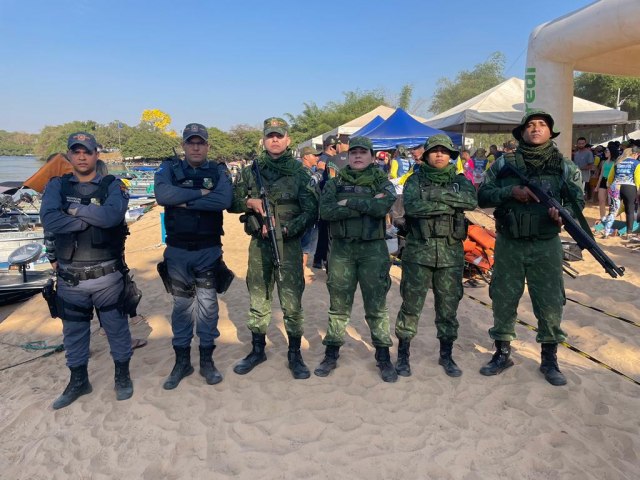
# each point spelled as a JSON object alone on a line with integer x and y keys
{"x": 85, "y": 212}
{"x": 194, "y": 193}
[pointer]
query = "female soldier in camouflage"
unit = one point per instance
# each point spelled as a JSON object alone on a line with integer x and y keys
{"x": 434, "y": 201}
{"x": 355, "y": 204}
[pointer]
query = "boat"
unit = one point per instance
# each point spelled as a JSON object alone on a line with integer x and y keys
{"x": 23, "y": 282}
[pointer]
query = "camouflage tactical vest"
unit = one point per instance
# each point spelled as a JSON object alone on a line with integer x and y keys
{"x": 360, "y": 226}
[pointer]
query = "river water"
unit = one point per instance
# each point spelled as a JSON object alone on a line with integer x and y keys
{"x": 18, "y": 168}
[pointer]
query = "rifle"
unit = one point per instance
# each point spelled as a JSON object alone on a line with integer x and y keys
{"x": 271, "y": 228}
{"x": 583, "y": 239}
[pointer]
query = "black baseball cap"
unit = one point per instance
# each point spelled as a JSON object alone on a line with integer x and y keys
{"x": 195, "y": 130}
{"x": 85, "y": 139}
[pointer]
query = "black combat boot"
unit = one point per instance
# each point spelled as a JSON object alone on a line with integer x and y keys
{"x": 207, "y": 368}
{"x": 387, "y": 372}
{"x": 255, "y": 358}
{"x": 403, "y": 368}
{"x": 181, "y": 369}
{"x": 446, "y": 360}
{"x": 296, "y": 363}
{"x": 329, "y": 362}
{"x": 500, "y": 360}
{"x": 78, "y": 385}
{"x": 549, "y": 365}
{"x": 123, "y": 383}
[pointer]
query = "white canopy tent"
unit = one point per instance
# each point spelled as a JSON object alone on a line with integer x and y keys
{"x": 559, "y": 47}
{"x": 635, "y": 135}
{"x": 500, "y": 109}
{"x": 353, "y": 125}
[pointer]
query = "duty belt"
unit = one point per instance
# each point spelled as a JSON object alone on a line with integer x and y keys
{"x": 73, "y": 276}
{"x": 192, "y": 244}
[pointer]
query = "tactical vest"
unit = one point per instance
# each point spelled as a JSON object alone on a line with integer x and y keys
{"x": 453, "y": 226}
{"x": 283, "y": 192}
{"x": 515, "y": 219}
{"x": 93, "y": 245}
{"x": 189, "y": 228}
{"x": 360, "y": 227}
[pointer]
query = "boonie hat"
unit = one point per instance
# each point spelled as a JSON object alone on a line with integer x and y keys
{"x": 275, "y": 125}
{"x": 517, "y": 132}
{"x": 309, "y": 151}
{"x": 87, "y": 140}
{"x": 441, "y": 140}
{"x": 195, "y": 130}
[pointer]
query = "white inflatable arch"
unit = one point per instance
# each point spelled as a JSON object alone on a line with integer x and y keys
{"x": 603, "y": 37}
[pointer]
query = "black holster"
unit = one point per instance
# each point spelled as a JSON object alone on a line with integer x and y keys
{"x": 164, "y": 276}
{"x": 224, "y": 277}
{"x": 49, "y": 292}
{"x": 131, "y": 295}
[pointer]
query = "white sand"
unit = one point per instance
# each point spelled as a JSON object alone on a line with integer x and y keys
{"x": 348, "y": 425}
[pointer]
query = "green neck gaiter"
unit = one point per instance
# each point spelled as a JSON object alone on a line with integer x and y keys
{"x": 437, "y": 176}
{"x": 540, "y": 157}
{"x": 284, "y": 165}
{"x": 369, "y": 177}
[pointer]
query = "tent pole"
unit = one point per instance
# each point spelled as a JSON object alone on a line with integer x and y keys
{"x": 464, "y": 135}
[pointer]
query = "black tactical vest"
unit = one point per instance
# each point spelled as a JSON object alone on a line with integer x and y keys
{"x": 186, "y": 227}
{"x": 93, "y": 245}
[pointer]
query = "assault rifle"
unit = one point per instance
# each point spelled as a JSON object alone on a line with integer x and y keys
{"x": 583, "y": 239}
{"x": 271, "y": 228}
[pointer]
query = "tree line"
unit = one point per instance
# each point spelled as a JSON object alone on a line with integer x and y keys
{"x": 152, "y": 139}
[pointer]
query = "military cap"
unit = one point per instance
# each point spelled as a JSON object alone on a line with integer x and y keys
{"x": 275, "y": 125}
{"x": 309, "y": 151}
{"x": 440, "y": 140}
{"x": 195, "y": 130}
{"x": 517, "y": 132}
{"x": 87, "y": 140}
{"x": 330, "y": 140}
{"x": 362, "y": 142}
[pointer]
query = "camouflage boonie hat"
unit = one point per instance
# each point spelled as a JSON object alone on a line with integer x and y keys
{"x": 401, "y": 150}
{"x": 309, "y": 151}
{"x": 517, "y": 132}
{"x": 87, "y": 140}
{"x": 275, "y": 125}
{"x": 362, "y": 142}
{"x": 440, "y": 140}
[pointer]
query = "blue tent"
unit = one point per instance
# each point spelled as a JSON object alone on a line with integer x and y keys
{"x": 402, "y": 129}
{"x": 368, "y": 127}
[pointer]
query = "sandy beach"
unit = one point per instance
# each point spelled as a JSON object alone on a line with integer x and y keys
{"x": 348, "y": 425}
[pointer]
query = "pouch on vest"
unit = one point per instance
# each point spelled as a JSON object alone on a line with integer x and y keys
{"x": 460, "y": 226}
{"x": 372, "y": 228}
{"x": 252, "y": 225}
{"x": 442, "y": 226}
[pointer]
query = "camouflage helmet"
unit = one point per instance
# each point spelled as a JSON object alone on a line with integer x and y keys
{"x": 517, "y": 132}
{"x": 440, "y": 140}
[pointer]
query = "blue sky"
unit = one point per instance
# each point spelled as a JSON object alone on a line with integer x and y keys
{"x": 226, "y": 62}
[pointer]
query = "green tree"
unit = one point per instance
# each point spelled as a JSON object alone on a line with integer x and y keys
{"x": 221, "y": 146}
{"x": 404, "y": 100}
{"x": 603, "y": 89}
{"x": 246, "y": 141}
{"x": 315, "y": 120}
{"x": 53, "y": 139}
{"x": 17, "y": 143}
{"x": 148, "y": 142}
{"x": 468, "y": 83}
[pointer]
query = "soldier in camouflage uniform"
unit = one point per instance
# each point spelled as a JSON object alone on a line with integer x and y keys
{"x": 294, "y": 203}
{"x": 435, "y": 199}
{"x": 355, "y": 204}
{"x": 527, "y": 245}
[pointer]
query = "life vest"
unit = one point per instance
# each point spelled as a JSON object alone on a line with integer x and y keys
{"x": 515, "y": 219}
{"x": 452, "y": 226}
{"x": 186, "y": 227}
{"x": 360, "y": 227}
{"x": 93, "y": 245}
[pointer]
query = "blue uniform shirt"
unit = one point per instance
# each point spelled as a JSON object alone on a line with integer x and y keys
{"x": 217, "y": 199}
{"x": 110, "y": 214}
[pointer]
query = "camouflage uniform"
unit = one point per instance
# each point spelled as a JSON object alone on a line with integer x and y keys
{"x": 294, "y": 203}
{"x": 528, "y": 247}
{"x": 359, "y": 255}
{"x": 433, "y": 259}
